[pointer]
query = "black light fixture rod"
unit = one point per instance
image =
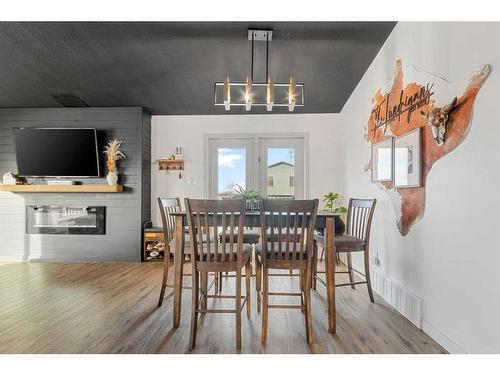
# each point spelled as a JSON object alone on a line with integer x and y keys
{"x": 252, "y": 55}
{"x": 267, "y": 56}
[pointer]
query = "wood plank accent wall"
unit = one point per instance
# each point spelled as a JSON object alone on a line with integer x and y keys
{"x": 125, "y": 211}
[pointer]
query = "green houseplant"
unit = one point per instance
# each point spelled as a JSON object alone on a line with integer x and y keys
{"x": 332, "y": 204}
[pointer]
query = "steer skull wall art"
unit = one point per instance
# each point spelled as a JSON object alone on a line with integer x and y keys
{"x": 437, "y": 119}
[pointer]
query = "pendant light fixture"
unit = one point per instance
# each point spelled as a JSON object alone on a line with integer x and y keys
{"x": 266, "y": 93}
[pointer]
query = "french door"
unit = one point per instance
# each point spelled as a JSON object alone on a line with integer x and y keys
{"x": 281, "y": 167}
{"x": 273, "y": 165}
{"x": 231, "y": 166}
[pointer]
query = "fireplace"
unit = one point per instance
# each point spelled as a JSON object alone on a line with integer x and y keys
{"x": 48, "y": 219}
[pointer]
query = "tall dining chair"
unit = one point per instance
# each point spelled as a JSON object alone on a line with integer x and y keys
{"x": 283, "y": 248}
{"x": 219, "y": 255}
{"x": 356, "y": 239}
{"x": 169, "y": 206}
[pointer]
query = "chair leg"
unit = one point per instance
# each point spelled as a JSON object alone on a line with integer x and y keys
{"x": 367, "y": 275}
{"x": 220, "y": 282}
{"x": 349, "y": 268}
{"x": 265, "y": 300}
{"x": 216, "y": 282}
{"x": 314, "y": 265}
{"x": 204, "y": 289}
{"x": 238, "y": 310}
{"x": 337, "y": 258}
{"x": 301, "y": 280}
{"x": 166, "y": 266}
{"x": 248, "y": 274}
{"x": 322, "y": 253}
{"x": 258, "y": 281}
{"x": 302, "y": 285}
{"x": 307, "y": 295}
{"x": 194, "y": 308}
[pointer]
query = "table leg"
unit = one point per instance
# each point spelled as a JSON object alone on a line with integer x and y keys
{"x": 178, "y": 268}
{"x": 330, "y": 272}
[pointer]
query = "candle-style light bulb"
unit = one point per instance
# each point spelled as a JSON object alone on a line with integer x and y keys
{"x": 291, "y": 95}
{"x": 227, "y": 94}
{"x": 248, "y": 95}
{"x": 270, "y": 94}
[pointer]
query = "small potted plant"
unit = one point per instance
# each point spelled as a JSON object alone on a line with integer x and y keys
{"x": 252, "y": 197}
{"x": 332, "y": 204}
{"x": 113, "y": 154}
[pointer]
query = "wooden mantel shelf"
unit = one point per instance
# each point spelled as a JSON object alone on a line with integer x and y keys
{"x": 62, "y": 188}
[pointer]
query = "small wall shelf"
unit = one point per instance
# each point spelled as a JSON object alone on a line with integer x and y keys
{"x": 62, "y": 188}
{"x": 170, "y": 165}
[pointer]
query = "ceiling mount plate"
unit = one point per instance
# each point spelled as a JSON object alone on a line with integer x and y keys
{"x": 260, "y": 35}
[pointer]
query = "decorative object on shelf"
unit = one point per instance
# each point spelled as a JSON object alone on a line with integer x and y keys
{"x": 267, "y": 94}
{"x": 113, "y": 154}
{"x": 332, "y": 204}
{"x": 10, "y": 178}
{"x": 406, "y": 107}
{"x": 408, "y": 160}
{"x": 252, "y": 197}
{"x": 382, "y": 160}
{"x": 170, "y": 164}
{"x": 178, "y": 153}
{"x": 437, "y": 119}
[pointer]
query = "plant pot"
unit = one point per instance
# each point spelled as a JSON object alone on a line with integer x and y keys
{"x": 252, "y": 205}
{"x": 112, "y": 178}
{"x": 339, "y": 227}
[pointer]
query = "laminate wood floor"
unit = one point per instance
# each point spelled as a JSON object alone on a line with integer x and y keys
{"x": 112, "y": 308}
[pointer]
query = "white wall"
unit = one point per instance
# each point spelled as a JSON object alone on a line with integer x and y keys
{"x": 188, "y": 132}
{"x": 451, "y": 258}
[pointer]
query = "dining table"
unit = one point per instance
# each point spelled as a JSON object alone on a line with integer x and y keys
{"x": 325, "y": 223}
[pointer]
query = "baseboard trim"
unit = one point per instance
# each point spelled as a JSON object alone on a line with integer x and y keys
{"x": 407, "y": 303}
{"x": 410, "y": 306}
{"x": 442, "y": 339}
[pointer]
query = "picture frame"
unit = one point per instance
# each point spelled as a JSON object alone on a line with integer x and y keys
{"x": 408, "y": 160}
{"x": 382, "y": 160}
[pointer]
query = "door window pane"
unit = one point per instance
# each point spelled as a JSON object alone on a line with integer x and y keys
{"x": 281, "y": 171}
{"x": 231, "y": 164}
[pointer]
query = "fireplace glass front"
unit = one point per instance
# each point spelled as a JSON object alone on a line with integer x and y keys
{"x": 47, "y": 219}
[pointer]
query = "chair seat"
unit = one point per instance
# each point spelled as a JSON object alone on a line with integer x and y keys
{"x": 277, "y": 253}
{"x": 249, "y": 237}
{"x": 344, "y": 243}
{"x": 246, "y": 252}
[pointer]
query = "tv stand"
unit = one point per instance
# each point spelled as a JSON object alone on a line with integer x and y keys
{"x": 60, "y": 182}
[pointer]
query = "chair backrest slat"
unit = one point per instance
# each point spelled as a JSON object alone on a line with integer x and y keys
{"x": 168, "y": 206}
{"x": 359, "y": 217}
{"x": 210, "y": 217}
{"x": 287, "y": 228}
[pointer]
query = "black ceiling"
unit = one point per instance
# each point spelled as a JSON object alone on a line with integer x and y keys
{"x": 170, "y": 67}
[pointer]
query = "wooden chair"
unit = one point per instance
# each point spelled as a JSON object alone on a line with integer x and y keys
{"x": 285, "y": 249}
{"x": 208, "y": 216}
{"x": 356, "y": 239}
{"x": 168, "y": 206}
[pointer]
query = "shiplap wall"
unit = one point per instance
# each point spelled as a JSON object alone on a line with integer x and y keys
{"x": 125, "y": 212}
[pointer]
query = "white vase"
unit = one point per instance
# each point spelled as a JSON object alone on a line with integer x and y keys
{"x": 112, "y": 178}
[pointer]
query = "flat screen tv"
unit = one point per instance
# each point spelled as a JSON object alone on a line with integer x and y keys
{"x": 56, "y": 152}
